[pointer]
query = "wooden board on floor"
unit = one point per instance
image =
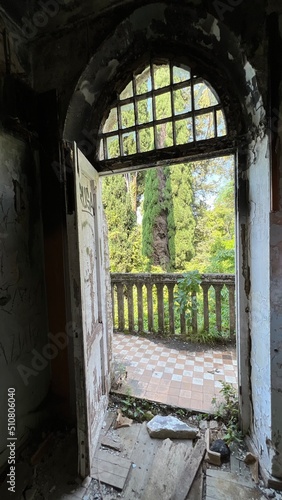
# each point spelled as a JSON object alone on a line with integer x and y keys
{"x": 142, "y": 457}
{"x": 196, "y": 491}
{"x": 127, "y": 437}
{"x": 222, "y": 485}
{"x": 168, "y": 465}
{"x": 192, "y": 465}
{"x": 110, "y": 468}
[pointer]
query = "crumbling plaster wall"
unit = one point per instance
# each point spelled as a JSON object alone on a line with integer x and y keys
{"x": 232, "y": 45}
{"x": 23, "y": 320}
{"x": 274, "y": 442}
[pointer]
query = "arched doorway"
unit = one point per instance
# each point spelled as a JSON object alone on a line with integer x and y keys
{"x": 235, "y": 84}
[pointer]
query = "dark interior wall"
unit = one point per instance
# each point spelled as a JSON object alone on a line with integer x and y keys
{"x": 23, "y": 315}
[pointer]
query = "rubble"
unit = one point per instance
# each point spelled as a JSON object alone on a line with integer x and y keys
{"x": 170, "y": 427}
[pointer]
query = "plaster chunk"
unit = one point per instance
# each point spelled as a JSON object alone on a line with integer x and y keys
{"x": 170, "y": 427}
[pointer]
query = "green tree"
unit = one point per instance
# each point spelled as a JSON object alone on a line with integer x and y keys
{"x": 158, "y": 224}
{"x": 215, "y": 231}
{"x": 121, "y": 221}
{"x": 184, "y": 217}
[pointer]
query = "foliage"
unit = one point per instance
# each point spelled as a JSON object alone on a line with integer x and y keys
{"x": 228, "y": 412}
{"x": 140, "y": 410}
{"x": 121, "y": 221}
{"x": 185, "y": 296}
{"x": 215, "y": 235}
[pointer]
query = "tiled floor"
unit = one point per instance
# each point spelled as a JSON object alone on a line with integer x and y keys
{"x": 173, "y": 376}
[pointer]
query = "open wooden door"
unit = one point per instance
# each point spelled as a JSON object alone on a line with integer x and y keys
{"x": 88, "y": 302}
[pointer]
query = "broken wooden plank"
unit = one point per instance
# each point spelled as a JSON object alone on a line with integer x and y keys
{"x": 110, "y": 443}
{"x": 196, "y": 491}
{"x": 191, "y": 468}
{"x": 142, "y": 456}
{"x": 169, "y": 463}
{"x": 127, "y": 437}
{"x": 229, "y": 476}
{"x": 229, "y": 486}
{"x": 110, "y": 469}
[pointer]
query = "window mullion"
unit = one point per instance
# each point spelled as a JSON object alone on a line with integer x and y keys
{"x": 135, "y": 115}
{"x": 154, "y": 106}
{"x": 120, "y": 130}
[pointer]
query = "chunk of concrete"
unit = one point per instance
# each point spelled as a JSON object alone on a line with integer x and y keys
{"x": 170, "y": 427}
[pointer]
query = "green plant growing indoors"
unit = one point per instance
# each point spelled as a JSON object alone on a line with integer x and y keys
{"x": 186, "y": 295}
{"x": 228, "y": 412}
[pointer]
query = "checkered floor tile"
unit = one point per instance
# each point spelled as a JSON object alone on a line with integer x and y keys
{"x": 177, "y": 377}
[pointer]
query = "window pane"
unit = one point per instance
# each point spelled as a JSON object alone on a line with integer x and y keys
{"x": 101, "y": 150}
{"x": 144, "y": 81}
{"x": 161, "y": 75}
{"x": 113, "y": 147}
{"x": 127, "y": 92}
{"x": 111, "y": 123}
{"x": 182, "y": 100}
{"x": 184, "y": 131}
{"x": 181, "y": 73}
{"x": 163, "y": 106}
{"x": 204, "y": 126}
{"x": 203, "y": 96}
{"x": 146, "y": 139}
{"x": 129, "y": 143}
{"x": 221, "y": 124}
{"x": 127, "y": 115}
{"x": 164, "y": 135}
{"x": 145, "y": 112}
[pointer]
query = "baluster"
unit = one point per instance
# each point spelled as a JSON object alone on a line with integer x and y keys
{"x": 160, "y": 307}
{"x": 170, "y": 287}
{"x": 120, "y": 305}
{"x": 218, "y": 289}
{"x": 183, "y": 324}
{"x": 150, "y": 307}
{"x": 140, "y": 307}
{"x": 194, "y": 312}
{"x": 205, "y": 288}
{"x": 113, "y": 304}
{"x": 231, "y": 290}
{"x": 130, "y": 308}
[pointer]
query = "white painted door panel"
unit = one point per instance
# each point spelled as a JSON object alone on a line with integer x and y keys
{"x": 87, "y": 291}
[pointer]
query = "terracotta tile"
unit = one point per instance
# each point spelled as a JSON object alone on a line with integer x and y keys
{"x": 185, "y": 394}
{"x": 185, "y": 403}
{"x": 177, "y": 371}
{"x": 151, "y": 395}
{"x": 167, "y": 376}
{"x": 172, "y": 400}
{"x": 173, "y": 391}
{"x": 186, "y": 386}
{"x": 197, "y": 395}
{"x": 162, "y": 389}
{"x": 162, "y": 398}
{"x": 196, "y": 405}
{"x": 175, "y": 383}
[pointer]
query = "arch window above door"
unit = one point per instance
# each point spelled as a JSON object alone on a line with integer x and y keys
{"x": 162, "y": 106}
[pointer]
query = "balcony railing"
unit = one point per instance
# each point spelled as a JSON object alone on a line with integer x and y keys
{"x": 145, "y": 303}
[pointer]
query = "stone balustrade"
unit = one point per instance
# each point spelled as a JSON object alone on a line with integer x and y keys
{"x": 146, "y": 303}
